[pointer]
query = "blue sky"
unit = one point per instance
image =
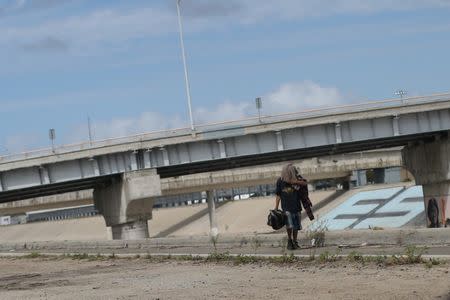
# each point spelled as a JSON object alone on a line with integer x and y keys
{"x": 119, "y": 61}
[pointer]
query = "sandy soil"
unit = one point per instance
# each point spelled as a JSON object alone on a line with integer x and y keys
{"x": 141, "y": 279}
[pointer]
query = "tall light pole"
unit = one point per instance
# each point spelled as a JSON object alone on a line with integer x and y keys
{"x": 52, "y": 137}
{"x": 89, "y": 130}
{"x": 186, "y": 77}
{"x": 258, "y": 103}
{"x": 401, "y": 93}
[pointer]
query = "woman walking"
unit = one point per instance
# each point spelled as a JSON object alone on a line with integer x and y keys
{"x": 288, "y": 193}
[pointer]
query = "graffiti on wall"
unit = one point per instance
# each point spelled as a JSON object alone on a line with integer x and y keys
{"x": 391, "y": 207}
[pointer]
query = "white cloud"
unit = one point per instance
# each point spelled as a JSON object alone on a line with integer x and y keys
{"x": 256, "y": 10}
{"x": 297, "y": 96}
{"x": 19, "y": 143}
{"x": 223, "y": 112}
{"x": 289, "y": 97}
{"x": 98, "y": 28}
{"x": 106, "y": 27}
{"x": 18, "y": 4}
{"x": 146, "y": 122}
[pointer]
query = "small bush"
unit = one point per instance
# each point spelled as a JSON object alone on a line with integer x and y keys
{"x": 284, "y": 259}
{"x": 435, "y": 261}
{"x": 326, "y": 256}
{"x": 380, "y": 259}
{"x": 355, "y": 256}
{"x": 413, "y": 254}
{"x": 429, "y": 264}
{"x": 312, "y": 254}
{"x": 216, "y": 257}
{"x": 245, "y": 259}
{"x": 283, "y": 244}
{"x": 256, "y": 243}
{"x": 80, "y": 256}
{"x": 377, "y": 228}
{"x": 33, "y": 255}
{"x": 316, "y": 233}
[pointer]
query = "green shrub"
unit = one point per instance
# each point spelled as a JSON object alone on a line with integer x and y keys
{"x": 355, "y": 256}
{"x": 316, "y": 233}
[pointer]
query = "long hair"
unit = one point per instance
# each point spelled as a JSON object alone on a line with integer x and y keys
{"x": 288, "y": 173}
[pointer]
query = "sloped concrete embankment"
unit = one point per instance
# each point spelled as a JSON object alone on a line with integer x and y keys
{"x": 188, "y": 220}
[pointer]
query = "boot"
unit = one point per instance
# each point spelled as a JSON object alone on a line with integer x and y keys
{"x": 290, "y": 245}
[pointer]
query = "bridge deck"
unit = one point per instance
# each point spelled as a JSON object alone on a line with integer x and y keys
{"x": 229, "y": 145}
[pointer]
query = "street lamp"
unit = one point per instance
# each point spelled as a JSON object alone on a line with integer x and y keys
{"x": 186, "y": 77}
{"x": 89, "y": 130}
{"x": 258, "y": 103}
{"x": 52, "y": 137}
{"x": 401, "y": 93}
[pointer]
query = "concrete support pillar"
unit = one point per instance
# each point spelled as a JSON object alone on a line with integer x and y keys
{"x": 338, "y": 132}
{"x": 133, "y": 160}
{"x": 345, "y": 183}
{"x": 361, "y": 178}
{"x": 222, "y": 150}
{"x": 395, "y": 125}
{"x": 214, "y": 230}
{"x": 147, "y": 159}
{"x": 280, "y": 145}
{"x": 95, "y": 166}
{"x": 430, "y": 165}
{"x": 165, "y": 156}
{"x": 43, "y": 173}
{"x": 127, "y": 203}
{"x": 136, "y": 230}
{"x": 378, "y": 175}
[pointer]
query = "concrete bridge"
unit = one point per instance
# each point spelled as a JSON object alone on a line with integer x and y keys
{"x": 333, "y": 166}
{"x": 126, "y": 173}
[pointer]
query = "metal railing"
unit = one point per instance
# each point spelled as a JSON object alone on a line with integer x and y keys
{"x": 232, "y": 124}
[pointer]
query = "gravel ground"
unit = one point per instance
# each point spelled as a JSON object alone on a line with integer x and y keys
{"x": 50, "y": 278}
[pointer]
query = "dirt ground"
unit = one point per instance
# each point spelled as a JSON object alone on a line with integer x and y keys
{"x": 43, "y": 278}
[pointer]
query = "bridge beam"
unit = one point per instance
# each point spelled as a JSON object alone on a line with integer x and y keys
{"x": 127, "y": 203}
{"x": 430, "y": 165}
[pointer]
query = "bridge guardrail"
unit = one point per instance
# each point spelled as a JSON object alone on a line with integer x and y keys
{"x": 349, "y": 108}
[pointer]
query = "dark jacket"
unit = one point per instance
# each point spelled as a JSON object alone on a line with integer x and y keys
{"x": 304, "y": 198}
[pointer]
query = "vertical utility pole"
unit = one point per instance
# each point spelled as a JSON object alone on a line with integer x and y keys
{"x": 258, "y": 103}
{"x": 186, "y": 76}
{"x": 52, "y": 136}
{"x": 89, "y": 130}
